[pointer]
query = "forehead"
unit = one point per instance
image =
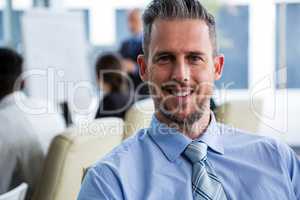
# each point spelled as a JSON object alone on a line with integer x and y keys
{"x": 180, "y": 35}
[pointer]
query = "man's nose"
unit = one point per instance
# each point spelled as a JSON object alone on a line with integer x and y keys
{"x": 181, "y": 71}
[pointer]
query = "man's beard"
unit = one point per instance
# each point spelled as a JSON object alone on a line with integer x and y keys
{"x": 188, "y": 121}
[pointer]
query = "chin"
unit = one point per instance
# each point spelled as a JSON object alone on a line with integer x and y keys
{"x": 182, "y": 118}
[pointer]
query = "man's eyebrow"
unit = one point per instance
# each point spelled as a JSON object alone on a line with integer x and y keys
{"x": 196, "y": 53}
{"x": 161, "y": 53}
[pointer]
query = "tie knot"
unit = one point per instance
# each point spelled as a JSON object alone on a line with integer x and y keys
{"x": 196, "y": 151}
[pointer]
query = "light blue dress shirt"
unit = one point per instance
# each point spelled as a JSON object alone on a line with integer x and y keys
{"x": 150, "y": 166}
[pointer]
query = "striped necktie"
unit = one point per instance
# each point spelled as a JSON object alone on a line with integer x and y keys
{"x": 205, "y": 184}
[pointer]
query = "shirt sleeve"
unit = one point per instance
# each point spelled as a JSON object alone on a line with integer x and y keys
{"x": 293, "y": 167}
{"x": 29, "y": 162}
{"x": 100, "y": 183}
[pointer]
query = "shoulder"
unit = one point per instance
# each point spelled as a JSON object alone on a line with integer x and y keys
{"x": 128, "y": 151}
{"x": 111, "y": 169}
{"x": 11, "y": 121}
{"x": 243, "y": 141}
{"x": 125, "y": 42}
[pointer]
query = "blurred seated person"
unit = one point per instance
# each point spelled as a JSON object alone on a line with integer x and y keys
{"x": 112, "y": 82}
{"x": 130, "y": 49}
{"x": 25, "y": 133}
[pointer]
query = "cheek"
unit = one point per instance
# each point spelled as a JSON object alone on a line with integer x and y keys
{"x": 156, "y": 79}
{"x": 204, "y": 84}
{"x": 203, "y": 75}
{"x": 159, "y": 76}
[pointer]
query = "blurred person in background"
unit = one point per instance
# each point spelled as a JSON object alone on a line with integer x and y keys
{"x": 24, "y": 135}
{"x": 131, "y": 48}
{"x": 112, "y": 82}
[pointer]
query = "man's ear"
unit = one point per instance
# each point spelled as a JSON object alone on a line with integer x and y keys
{"x": 143, "y": 67}
{"x": 218, "y": 66}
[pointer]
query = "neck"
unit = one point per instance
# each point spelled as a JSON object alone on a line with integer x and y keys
{"x": 192, "y": 131}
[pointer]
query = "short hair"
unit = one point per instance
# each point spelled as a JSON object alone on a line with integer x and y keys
{"x": 114, "y": 77}
{"x": 11, "y": 64}
{"x": 177, "y": 9}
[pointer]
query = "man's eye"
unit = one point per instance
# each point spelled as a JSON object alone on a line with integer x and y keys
{"x": 195, "y": 59}
{"x": 163, "y": 59}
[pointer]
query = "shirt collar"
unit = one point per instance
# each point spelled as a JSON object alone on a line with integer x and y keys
{"x": 172, "y": 143}
{"x": 212, "y": 136}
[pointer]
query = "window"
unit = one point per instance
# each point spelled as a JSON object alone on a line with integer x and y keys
{"x": 232, "y": 26}
{"x": 18, "y": 7}
{"x": 121, "y": 26}
{"x": 1, "y": 28}
{"x": 16, "y": 27}
{"x": 287, "y": 43}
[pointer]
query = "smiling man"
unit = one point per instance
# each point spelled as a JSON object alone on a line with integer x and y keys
{"x": 181, "y": 64}
{"x": 185, "y": 154}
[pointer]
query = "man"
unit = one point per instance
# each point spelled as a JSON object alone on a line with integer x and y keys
{"x": 130, "y": 49}
{"x": 185, "y": 154}
{"x": 24, "y": 137}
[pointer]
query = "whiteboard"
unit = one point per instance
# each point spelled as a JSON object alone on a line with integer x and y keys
{"x": 56, "y": 57}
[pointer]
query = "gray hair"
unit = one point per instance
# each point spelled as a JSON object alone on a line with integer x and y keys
{"x": 177, "y": 9}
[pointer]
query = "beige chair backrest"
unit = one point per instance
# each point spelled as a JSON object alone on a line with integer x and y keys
{"x": 17, "y": 193}
{"x": 138, "y": 116}
{"x": 242, "y": 114}
{"x": 72, "y": 152}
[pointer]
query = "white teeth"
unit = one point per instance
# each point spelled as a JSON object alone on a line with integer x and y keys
{"x": 182, "y": 94}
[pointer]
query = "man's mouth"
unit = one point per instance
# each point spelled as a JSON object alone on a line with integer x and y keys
{"x": 183, "y": 92}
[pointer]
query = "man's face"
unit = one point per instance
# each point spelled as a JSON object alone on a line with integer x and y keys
{"x": 181, "y": 69}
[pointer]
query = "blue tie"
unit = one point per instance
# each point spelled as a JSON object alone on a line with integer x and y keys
{"x": 205, "y": 184}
